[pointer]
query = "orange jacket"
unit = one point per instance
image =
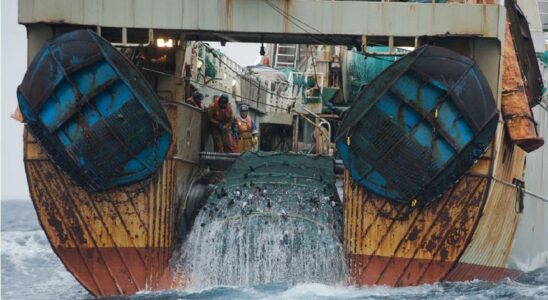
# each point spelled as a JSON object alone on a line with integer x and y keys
{"x": 218, "y": 115}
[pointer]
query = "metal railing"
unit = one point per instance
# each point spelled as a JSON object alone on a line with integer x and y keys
{"x": 323, "y": 133}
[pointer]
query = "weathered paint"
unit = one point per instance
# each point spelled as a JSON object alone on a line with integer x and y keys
{"x": 523, "y": 46}
{"x": 119, "y": 241}
{"x": 418, "y": 126}
{"x": 247, "y": 21}
{"x": 486, "y": 233}
{"x": 398, "y": 245}
{"x": 516, "y": 111}
{"x": 114, "y": 243}
{"x": 492, "y": 241}
{"x": 93, "y": 112}
{"x": 460, "y": 271}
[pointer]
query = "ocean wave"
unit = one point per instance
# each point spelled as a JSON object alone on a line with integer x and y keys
{"x": 30, "y": 269}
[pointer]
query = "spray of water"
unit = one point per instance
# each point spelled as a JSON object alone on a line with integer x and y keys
{"x": 262, "y": 248}
{"x": 255, "y": 231}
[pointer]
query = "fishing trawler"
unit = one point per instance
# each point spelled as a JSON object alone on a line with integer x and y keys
{"x": 438, "y": 117}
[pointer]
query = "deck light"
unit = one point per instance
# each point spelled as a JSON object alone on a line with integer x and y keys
{"x": 161, "y": 43}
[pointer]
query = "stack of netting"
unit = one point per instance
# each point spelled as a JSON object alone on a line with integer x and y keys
{"x": 363, "y": 69}
{"x": 211, "y": 58}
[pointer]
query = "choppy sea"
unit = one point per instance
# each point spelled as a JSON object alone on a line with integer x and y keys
{"x": 30, "y": 270}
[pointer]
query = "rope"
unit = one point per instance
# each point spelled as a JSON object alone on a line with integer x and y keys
{"x": 214, "y": 88}
{"x": 519, "y": 188}
{"x": 210, "y": 49}
{"x": 291, "y": 19}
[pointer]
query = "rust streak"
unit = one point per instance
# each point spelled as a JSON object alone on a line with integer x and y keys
{"x": 42, "y": 181}
{"x": 173, "y": 194}
{"x": 148, "y": 255}
{"x": 75, "y": 207}
{"x": 138, "y": 212}
{"x": 92, "y": 201}
{"x": 372, "y": 199}
{"x": 131, "y": 238}
{"x": 164, "y": 201}
{"x": 446, "y": 202}
{"x": 468, "y": 200}
{"x": 363, "y": 243}
{"x": 410, "y": 226}
{"x": 392, "y": 222}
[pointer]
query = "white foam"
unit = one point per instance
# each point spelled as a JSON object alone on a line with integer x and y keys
{"x": 30, "y": 269}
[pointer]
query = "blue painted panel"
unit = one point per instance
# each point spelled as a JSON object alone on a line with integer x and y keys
{"x": 423, "y": 135}
{"x": 91, "y": 116}
{"x": 149, "y": 155}
{"x": 63, "y": 138}
{"x": 58, "y": 105}
{"x": 109, "y": 102}
{"x": 398, "y": 112}
{"x": 442, "y": 152}
{"x": 449, "y": 117}
{"x": 424, "y": 96}
{"x": 88, "y": 79}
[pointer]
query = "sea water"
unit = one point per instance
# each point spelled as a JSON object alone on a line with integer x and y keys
{"x": 30, "y": 270}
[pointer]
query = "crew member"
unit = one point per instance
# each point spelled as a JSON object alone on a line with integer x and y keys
{"x": 220, "y": 119}
{"x": 196, "y": 100}
{"x": 244, "y": 129}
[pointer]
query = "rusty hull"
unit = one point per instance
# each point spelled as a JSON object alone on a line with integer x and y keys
{"x": 398, "y": 245}
{"x": 486, "y": 256}
{"x": 516, "y": 111}
{"x": 119, "y": 241}
{"x": 466, "y": 234}
{"x": 114, "y": 242}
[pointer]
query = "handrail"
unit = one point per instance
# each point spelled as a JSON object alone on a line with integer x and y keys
{"x": 322, "y": 121}
{"x": 319, "y": 126}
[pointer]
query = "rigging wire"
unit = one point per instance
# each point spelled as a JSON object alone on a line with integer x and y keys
{"x": 292, "y": 19}
{"x": 509, "y": 184}
{"x": 214, "y": 88}
{"x": 211, "y": 50}
{"x": 540, "y": 197}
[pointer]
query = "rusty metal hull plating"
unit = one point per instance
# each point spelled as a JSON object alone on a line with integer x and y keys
{"x": 467, "y": 234}
{"x": 114, "y": 243}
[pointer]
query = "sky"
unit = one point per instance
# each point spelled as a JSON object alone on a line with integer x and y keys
{"x": 13, "y": 65}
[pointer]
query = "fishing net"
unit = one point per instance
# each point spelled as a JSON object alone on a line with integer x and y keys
{"x": 274, "y": 218}
{"x": 363, "y": 69}
{"x": 210, "y": 70}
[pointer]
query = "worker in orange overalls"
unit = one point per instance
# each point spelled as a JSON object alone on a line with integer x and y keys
{"x": 243, "y": 129}
{"x": 196, "y": 100}
{"x": 220, "y": 119}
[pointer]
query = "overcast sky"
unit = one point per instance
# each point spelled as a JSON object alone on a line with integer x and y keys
{"x": 14, "y": 45}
